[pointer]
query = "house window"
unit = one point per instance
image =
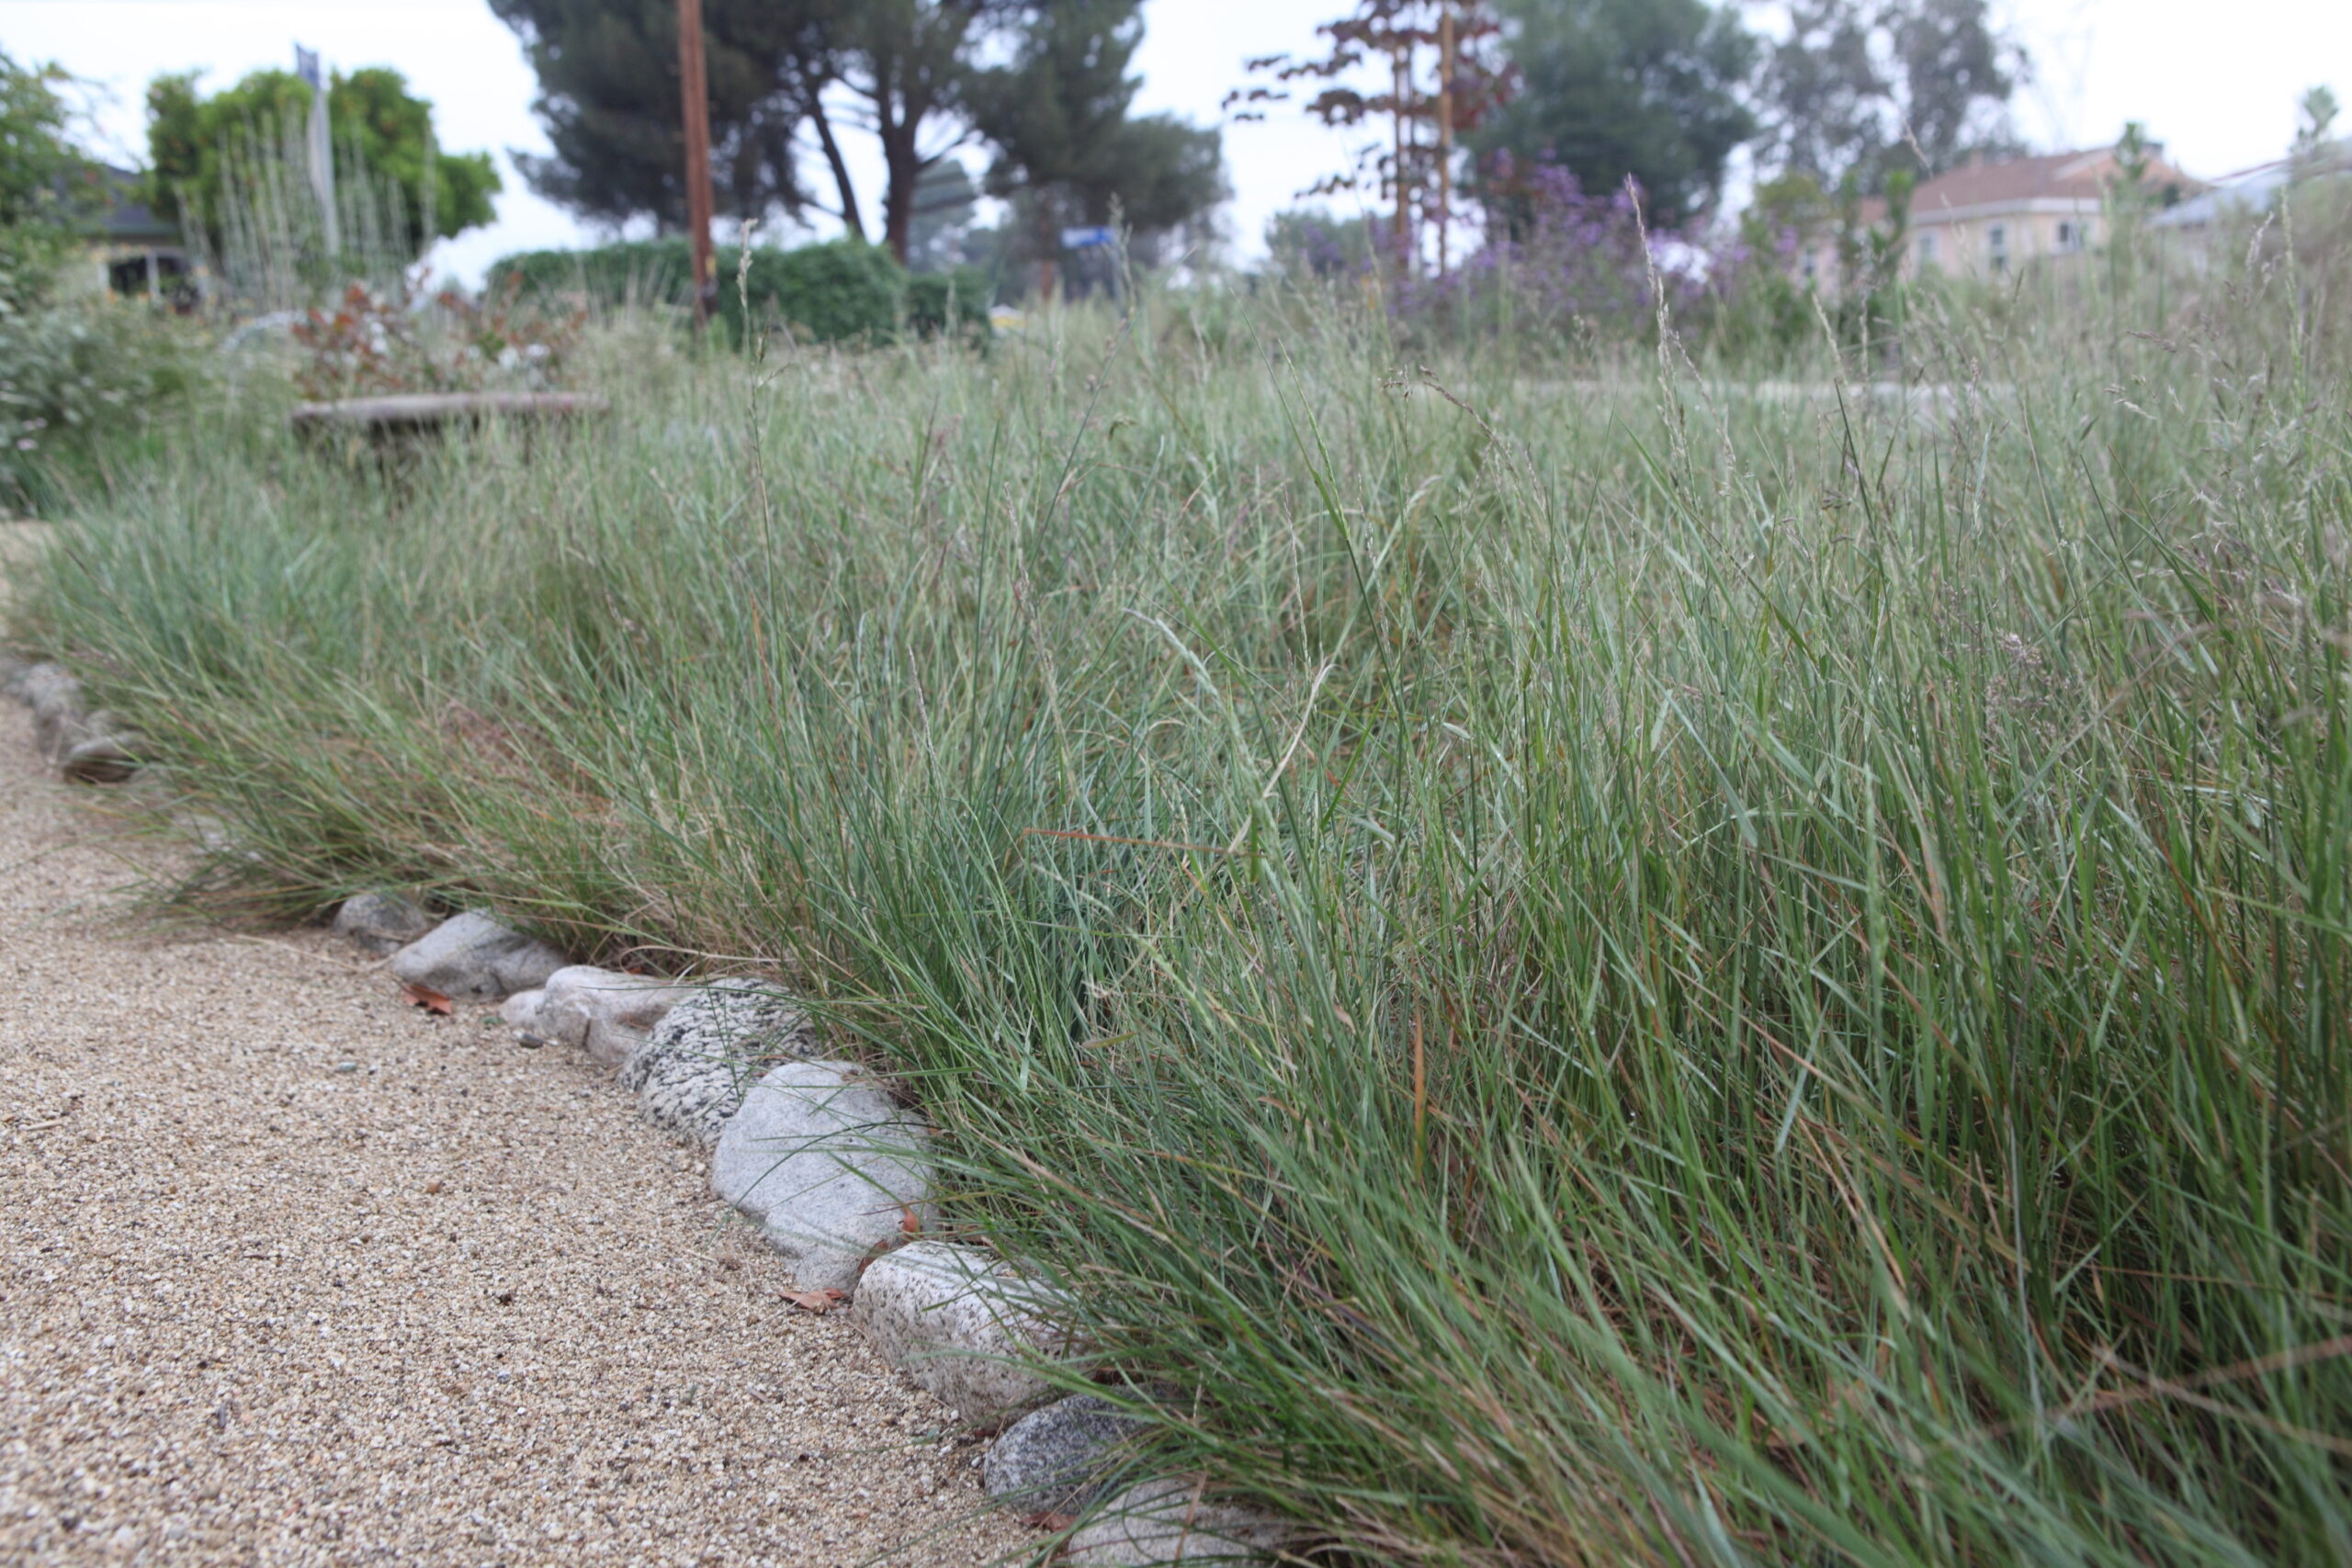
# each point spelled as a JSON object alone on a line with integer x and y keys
{"x": 2072, "y": 235}
{"x": 1926, "y": 252}
{"x": 1996, "y": 243}
{"x": 154, "y": 273}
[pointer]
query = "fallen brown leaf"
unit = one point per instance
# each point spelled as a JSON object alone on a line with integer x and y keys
{"x": 431, "y": 1001}
{"x": 1049, "y": 1521}
{"x": 819, "y": 1301}
{"x": 911, "y": 1223}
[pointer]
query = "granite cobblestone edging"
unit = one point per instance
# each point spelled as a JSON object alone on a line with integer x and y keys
{"x": 835, "y": 1171}
{"x": 83, "y": 745}
{"x": 819, "y": 1154}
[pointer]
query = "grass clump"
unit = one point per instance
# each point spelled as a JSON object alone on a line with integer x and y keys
{"x": 1628, "y": 971}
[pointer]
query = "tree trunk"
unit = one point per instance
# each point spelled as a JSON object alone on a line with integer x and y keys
{"x": 694, "y": 87}
{"x": 905, "y": 166}
{"x": 1048, "y": 252}
{"x": 850, "y": 217}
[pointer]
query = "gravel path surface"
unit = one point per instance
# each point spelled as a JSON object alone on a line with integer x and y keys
{"x": 296, "y": 1273}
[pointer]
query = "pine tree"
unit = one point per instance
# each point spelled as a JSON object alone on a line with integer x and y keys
{"x": 1616, "y": 89}
{"x": 1069, "y": 152}
{"x": 610, "y": 103}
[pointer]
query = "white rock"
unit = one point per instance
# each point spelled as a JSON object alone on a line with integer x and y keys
{"x": 473, "y": 958}
{"x": 55, "y": 697}
{"x": 829, "y": 1165}
{"x": 381, "y": 922}
{"x": 692, "y": 1073}
{"x": 1056, "y": 1460}
{"x": 1169, "y": 1520}
{"x": 88, "y": 747}
{"x": 520, "y": 1012}
{"x": 960, "y": 1322}
{"x": 103, "y": 754}
{"x": 605, "y": 1012}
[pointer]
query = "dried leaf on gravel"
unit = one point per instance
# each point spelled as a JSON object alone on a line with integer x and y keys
{"x": 819, "y": 1301}
{"x": 1049, "y": 1521}
{"x": 431, "y": 1001}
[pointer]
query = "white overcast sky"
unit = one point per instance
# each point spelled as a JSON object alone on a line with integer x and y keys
{"x": 2217, "y": 82}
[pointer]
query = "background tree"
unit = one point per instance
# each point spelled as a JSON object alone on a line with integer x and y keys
{"x": 371, "y": 114}
{"x": 1612, "y": 88}
{"x": 1958, "y": 76}
{"x": 1306, "y": 242}
{"x": 48, "y": 188}
{"x": 1067, "y": 150}
{"x": 1859, "y": 89}
{"x": 1375, "y": 73}
{"x": 2315, "y": 114}
{"x": 946, "y": 201}
{"x": 903, "y": 66}
{"x": 609, "y": 101}
{"x": 779, "y": 68}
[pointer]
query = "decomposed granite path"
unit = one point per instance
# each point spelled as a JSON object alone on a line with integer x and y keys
{"x": 292, "y": 1272}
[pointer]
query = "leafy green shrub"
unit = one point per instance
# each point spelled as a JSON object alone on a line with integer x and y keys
{"x": 932, "y": 296}
{"x": 837, "y": 292}
{"x": 48, "y": 188}
{"x": 73, "y": 376}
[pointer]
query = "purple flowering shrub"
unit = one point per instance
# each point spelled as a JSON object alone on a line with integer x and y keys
{"x": 1555, "y": 259}
{"x": 1557, "y": 264}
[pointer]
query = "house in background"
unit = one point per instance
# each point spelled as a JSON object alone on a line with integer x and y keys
{"x": 137, "y": 255}
{"x": 1985, "y": 220}
{"x": 2236, "y": 200}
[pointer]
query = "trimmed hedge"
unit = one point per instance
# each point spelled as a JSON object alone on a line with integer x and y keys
{"x": 837, "y": 292}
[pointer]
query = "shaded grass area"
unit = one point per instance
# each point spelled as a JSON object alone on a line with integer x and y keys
{"x": 1573, "y": 974}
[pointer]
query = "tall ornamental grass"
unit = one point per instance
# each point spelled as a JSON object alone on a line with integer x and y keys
{"x": 1624, "y": 971}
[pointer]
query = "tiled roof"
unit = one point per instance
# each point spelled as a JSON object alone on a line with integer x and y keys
{"x": 2064, "y": 176}
{"x": 129, "y": 219}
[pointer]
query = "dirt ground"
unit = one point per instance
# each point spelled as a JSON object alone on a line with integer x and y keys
{"x": 292, "y": 1272}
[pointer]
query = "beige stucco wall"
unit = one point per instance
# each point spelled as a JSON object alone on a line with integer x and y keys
{"x": 1964, "y": 247}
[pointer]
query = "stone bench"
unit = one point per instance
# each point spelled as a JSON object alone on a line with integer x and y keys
{"x": 427, "y": 414}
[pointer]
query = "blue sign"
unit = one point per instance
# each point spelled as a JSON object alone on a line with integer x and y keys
{"x": 1088, "y": 239}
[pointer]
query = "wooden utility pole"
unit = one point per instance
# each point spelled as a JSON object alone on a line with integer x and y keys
{"x": 1400, "y": 73}
{"x": 693, "y": 84}
{"x": 1446, "y": 53}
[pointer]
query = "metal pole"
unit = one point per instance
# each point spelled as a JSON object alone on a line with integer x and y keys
{"x": 694, "y": 85}
{"x": 319, "y": 141}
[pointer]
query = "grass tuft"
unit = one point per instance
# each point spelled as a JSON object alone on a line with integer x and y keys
{"x": 1630, "y": 970}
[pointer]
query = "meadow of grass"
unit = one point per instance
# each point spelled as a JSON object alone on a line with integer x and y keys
{"x": 1573, "y": 969}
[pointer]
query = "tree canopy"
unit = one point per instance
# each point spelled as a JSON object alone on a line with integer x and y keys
{"x": 1862, "y": 89}
{"x": 907, "y": 65}
{"x": 48, "y": 187}
{"x": 789, "y": 77}
{"x": 1611, "y": 89}
{"x": 1067, "y": 148}
{"x": 610, "y": 103}
{"x": 779, "y": 69}
{"x": 372, "y": 116}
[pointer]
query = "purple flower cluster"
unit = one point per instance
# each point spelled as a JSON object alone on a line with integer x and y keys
{"x": 1556, "y": 257}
